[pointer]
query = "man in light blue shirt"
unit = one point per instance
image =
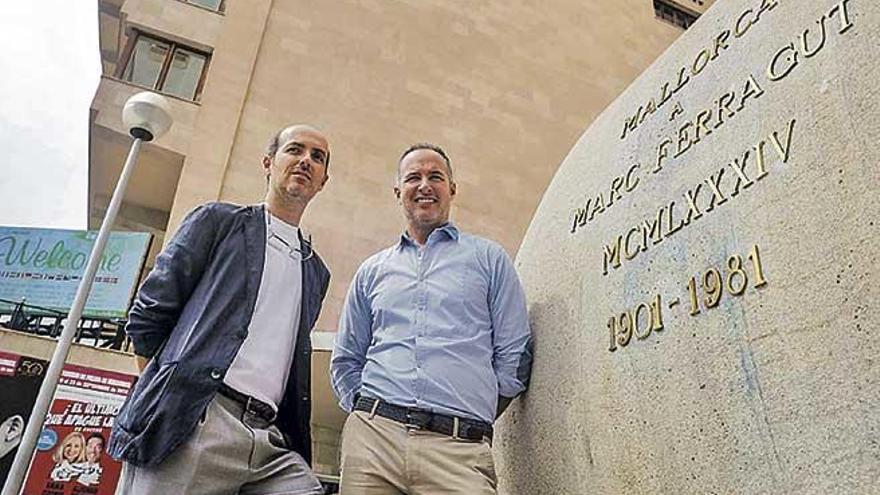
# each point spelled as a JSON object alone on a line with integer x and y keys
{"x": 433, "y": 344}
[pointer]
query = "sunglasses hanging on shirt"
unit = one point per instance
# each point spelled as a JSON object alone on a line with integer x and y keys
{"x": 306, "y": 252}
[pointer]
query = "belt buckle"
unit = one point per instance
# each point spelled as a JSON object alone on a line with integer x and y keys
{"x": 247, "y": 406}
{"x": 254, "y": 412}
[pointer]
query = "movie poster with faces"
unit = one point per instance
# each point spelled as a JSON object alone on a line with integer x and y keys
{"x": 20, "y": 379}
{"x": 71, "y": 456}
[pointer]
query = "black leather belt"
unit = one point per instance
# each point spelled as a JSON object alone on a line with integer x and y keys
{"x": 251, "y": 405}
{"x": 468, "y": 429}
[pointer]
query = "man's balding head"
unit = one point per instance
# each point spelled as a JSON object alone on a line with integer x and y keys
{"x": 283, "y": 134}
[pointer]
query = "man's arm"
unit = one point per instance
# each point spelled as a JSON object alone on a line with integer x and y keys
{"x": 350, "y": 348}
{"x": 169, "y": 285}
{"x": 512, "y": 343}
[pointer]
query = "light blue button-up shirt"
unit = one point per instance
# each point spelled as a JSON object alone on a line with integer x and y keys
{"x": 442, "y": 327}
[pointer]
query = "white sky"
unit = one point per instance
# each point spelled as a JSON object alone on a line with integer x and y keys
{"x": 49, "y": 69}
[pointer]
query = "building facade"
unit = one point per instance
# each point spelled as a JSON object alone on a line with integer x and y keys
{"x": 505, "y": 87}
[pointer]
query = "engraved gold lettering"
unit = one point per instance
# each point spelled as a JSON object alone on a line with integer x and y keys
{"x": 739, "y": 31}
{"x": 805, "y": 45}
{"x": 684, "y": 140}
{"x": 652, "y": 230}
{"x": 650, "y": 108}
{"x": 616, "y": 184}
{"x": 678, "y": 110}
{"x": 612, "y": 255}
{"x": 751, "y": 90}
{"x": 766, "y": 5}
{"x": 625, "y": 331}
{"x": 714, "y": 184}
{"x": 720, "y": 43}
{"x": 702, "y": 119}
{"x": 703, "y": 58}
{"x": 630, "y": 183}
{"x": 670, "y": 215}
{"x": 791, "y": 60}
{"x": 631, "y": 123}
{"x": 626, "y": 251}
{"x": 580, "y": 219}
{"x": 656, "y": 314}
{"x": 662, "y": 154}
{"x": 701, "y": 61}
{"x": 598, "y": 206}
{"x": 612, "y": 327}
{"x": 759, "y": 160}
{"x": 712, "y": 287}
{"x": 783, "y": 151}
{"x": 692, "y": 292}
{"x": 734, "y": 265}
{"x": 693, "y": 210}
{"x": 845, "y": 22}
{"x": 665, "y": 95}
{"x": 755, "y": 256}
{"x": 724, "y": 107}
{"x": 741, "y": 178}
{"x": 683, "y": 79}
{"x": 637, "y": 313}
{"x": 666, "y": 221}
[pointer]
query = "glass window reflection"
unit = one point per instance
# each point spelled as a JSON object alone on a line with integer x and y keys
{"x": 146, "y": 62}
{"x": 184, "y": 74}
{"x": 166, "y": 67}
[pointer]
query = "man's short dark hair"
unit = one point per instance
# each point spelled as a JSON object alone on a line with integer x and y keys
{"x": 275, "y": 143}
{"x": 425, "y": 146}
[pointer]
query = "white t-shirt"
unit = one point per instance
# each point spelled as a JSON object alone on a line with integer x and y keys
{"x": 262, "y": 364}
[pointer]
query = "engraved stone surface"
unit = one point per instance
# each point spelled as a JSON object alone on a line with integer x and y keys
{"x": 703, "y": 271}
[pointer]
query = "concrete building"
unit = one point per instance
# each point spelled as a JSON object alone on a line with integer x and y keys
{"x": 505, "y": 87}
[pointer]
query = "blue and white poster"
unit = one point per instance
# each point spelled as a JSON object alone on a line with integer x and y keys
{"x": 44, "y": 267}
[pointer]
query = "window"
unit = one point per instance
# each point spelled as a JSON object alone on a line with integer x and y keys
{"x": 165, "y": 67}
{"x": 212, "y": 5}
{"x": 674, "y": 14}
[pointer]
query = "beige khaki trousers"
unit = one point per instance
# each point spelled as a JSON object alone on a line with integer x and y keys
{"x": 384, "y": 457}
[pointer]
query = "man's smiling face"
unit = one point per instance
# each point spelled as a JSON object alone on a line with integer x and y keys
{"x": 425, "y": 189}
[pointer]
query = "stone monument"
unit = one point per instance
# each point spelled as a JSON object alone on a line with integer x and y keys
{"x": 703, "y": 271}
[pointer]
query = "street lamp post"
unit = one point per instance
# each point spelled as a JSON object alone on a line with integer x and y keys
{"x": 147, "y": 116}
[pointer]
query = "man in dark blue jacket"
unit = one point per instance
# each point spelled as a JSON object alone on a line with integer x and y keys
{"x": 221, "y": 330}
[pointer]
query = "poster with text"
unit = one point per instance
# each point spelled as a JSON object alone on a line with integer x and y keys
{"x": 70, "y": 457}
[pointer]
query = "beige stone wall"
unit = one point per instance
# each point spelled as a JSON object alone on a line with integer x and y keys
{"x": 223, "y": 97}
{"x": 107, "y": 106}
{"x": 175, "y": 20}
{"x": 711, "y": 326}
{"x": 504, "y": 87}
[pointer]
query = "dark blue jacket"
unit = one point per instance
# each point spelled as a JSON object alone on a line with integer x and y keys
{"x": 191, "y": 316}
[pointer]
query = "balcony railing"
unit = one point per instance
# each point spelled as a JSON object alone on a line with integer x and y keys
{"x": 104, "y": 333}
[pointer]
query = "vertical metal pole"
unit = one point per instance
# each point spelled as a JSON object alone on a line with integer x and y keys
{"x": 25, "y": 453}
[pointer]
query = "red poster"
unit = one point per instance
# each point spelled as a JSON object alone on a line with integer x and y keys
{"x": 71, "y": 457}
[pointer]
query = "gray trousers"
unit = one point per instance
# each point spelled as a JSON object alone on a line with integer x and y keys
{"x": 230, "y": 452}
